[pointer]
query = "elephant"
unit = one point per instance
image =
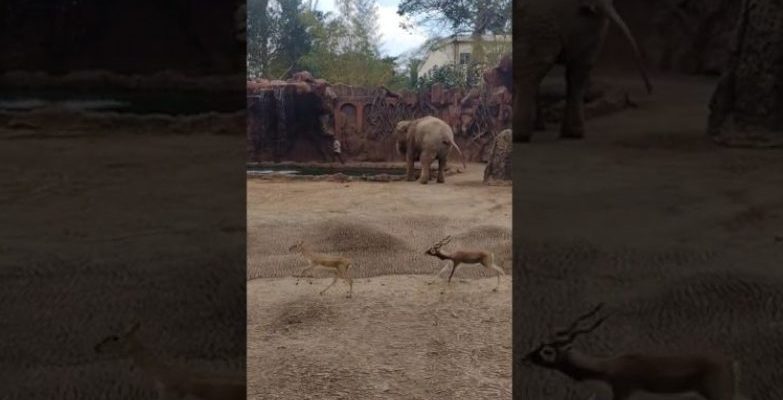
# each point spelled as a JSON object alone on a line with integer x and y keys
{"x": 569, "y": 32}
{"x": 425, "y": 139}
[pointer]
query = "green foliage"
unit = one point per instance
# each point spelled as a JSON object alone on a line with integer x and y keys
{"x": 490, "y": 52}
{"x": 452, "y": 76}
{"x": 286, "y": 36}
{"x": 339, "y": 48}
{"x": 361, "y": 19}
{"x": 461, "y": 16}
{"x": 484, "y": 54}
{"x": 294, "y": 41}
{"x": 413, "y": 72}
{"x": 277, "y": 36}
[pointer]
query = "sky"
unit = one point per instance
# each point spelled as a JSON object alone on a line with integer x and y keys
{"x": 394, "y": 40}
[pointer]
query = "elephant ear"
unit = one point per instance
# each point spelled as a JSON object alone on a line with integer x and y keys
{"x": 402, "y": 126}
{"x": 401, "y": 136}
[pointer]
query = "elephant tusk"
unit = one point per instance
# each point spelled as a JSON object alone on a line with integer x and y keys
{"x": 610, "y": 12}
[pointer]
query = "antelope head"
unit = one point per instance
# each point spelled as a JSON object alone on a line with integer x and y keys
{"x": 435, "y": 248}
{"x": 553, "y": 352}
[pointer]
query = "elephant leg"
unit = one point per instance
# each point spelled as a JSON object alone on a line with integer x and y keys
{"x": 540, "y": 124}
{"x": 441, "y": 168}
{"x": 426, "y": 165}
{"x": 578, "y": 76}
{"x": 536, "y": 47}
{"x": 409, "y": 171}
{"x": 528, "y": 77}
{"x": 524, "y": 112}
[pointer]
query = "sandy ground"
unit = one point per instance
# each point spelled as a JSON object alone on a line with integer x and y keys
{"x": 101, "y": 226}
{"x": 397, "y": 337}
{"x": 682, "y": 239}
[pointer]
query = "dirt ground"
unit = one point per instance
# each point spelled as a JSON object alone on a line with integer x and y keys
{"x": 682, "y": 239}
{"x": 397, "y": 337}
{"x": 94, "y": 235}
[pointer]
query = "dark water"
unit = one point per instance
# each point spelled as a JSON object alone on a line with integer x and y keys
{"x": 133, "y": 102}
{"x": 312, "y": 170}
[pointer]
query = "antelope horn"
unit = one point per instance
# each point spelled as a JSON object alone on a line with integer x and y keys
{"x": 573, "y": 335}
{"x": 441, "y": 243}
{"x": 581, "y": 318}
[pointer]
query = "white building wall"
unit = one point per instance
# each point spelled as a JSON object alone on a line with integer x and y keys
{"x": 446, "y": 54}
{"x": 437, "y": 58}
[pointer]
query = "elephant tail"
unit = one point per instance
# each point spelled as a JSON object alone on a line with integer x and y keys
{"x": 461, "y": 156}
{"x": 608, "y": 9}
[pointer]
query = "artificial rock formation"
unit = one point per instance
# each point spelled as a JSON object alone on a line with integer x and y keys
{"x": 298, "y": 119}
{"x": 288, "y": 116}
{"x": 600, "y": 99}
{"x": 747, "y": 106}
{"x": 499, "y": 166}
{"x": 688, "y": 36}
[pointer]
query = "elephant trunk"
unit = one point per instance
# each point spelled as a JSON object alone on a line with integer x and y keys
{"x": 611, "y": 12}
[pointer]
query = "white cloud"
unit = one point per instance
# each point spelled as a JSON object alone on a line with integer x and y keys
{"x": 394, "y": 39}
{"x": 326, "y": 5}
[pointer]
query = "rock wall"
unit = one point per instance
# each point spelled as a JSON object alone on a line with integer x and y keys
{"x": 499, "y": 166}
{"x": 286, "y": 121}
{"x": 747, "y": 106}
{"x": 686, "y": 36}
{"x": 282, "y": 122}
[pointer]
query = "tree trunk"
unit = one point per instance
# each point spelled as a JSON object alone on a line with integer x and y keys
{"x": 747, "y": 106}
{"x": 499, "y": 166}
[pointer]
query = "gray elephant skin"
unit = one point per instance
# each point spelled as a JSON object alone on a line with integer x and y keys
{"x": 425, "y": 139}
{"x": 569, "y": 32}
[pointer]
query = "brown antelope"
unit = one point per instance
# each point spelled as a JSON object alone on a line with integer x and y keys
{"x": 458, "y": 257}
{"x": 339, "y": 265}
{"x": 171, "y": 382}
{"x": 711, "y": 375}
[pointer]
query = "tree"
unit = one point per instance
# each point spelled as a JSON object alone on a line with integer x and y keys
{"x": 360, "y": 17}
{"x": 278, "y": 36}
{"x": 258, "y": 37}
{"x": 475, "y": 17}
{"x": 461, "y": 16}
{"x": 293, "y": 35}
{"x": 365, "y": 26}
{"x": 452, "y": 76}
{"x": 294, "y": 40}
{"x": 413, "y": 71}
{"x": 338, "y": 55}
